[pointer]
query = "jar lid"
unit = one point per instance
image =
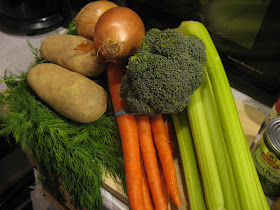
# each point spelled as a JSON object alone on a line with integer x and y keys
{"x": 273, "y": 133}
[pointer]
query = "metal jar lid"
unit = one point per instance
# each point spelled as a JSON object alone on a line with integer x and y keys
{"x": 273, "y": 134}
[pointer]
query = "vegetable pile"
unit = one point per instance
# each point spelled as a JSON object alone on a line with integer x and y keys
{"x": 116, "y": 99}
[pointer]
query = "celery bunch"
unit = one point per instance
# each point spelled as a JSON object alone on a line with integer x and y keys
{"x": 229, "y": 177}
{"x": 188, "y": 156}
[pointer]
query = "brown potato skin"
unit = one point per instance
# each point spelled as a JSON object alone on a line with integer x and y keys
{"x": 71, "y": 94}
{"x": 60, "y": 49}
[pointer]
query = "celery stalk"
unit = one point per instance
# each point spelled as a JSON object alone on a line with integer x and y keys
{"x": 248, "y": 185}
{"x": 188, "y": 156}
{"x": 219, "y": 146}
{"x": 205, "y": 154}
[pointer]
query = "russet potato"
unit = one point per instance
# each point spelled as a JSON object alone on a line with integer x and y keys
{"x": 71, "y": 94}
{"x": 61, "y": 49}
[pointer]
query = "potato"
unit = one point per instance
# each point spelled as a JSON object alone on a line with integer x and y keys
{"x": 60, "y": 49}
{"x": 71, "y": 94}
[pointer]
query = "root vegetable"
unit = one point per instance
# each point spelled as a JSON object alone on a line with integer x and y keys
{"x": 88, "y": 16}
{"x": 60, "y": 49}
{"x": 72, "y": 95}
{"x": 118, "y": 34}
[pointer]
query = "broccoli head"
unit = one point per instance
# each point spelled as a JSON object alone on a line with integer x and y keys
{"x": 162, "y": 76}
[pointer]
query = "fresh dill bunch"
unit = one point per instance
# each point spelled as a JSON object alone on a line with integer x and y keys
{"x": 79, "y": 154}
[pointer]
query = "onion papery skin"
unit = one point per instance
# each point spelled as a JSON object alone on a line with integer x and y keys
{"x": 87, "y": 18}
{"x": 118, "y": 35}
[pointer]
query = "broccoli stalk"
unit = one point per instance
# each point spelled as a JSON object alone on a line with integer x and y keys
{"x": 162, "y": 76}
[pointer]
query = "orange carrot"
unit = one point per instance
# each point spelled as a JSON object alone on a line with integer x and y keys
{"x": 150, "y": 160}
{"x": 146, "y": 189}
{"x": 168, "y": 126}
{"x": 129, "y": 138}
{"x": 163, "y": 183}
{"x": 169, "y": 129}
{"x": 166, "y": 158}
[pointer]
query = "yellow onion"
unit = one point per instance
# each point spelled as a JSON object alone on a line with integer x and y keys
{"x": 86, "y": 19}
{"x": 118, "y": 34}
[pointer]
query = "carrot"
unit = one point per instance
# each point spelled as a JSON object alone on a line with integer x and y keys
{"x": 163, "y": 183}
{"x": 150, "y": 160}
{"x": 166, "y": 159}
{"x": 168, "y": 126}
{"x": 146, "y": 189}
{"x": 129, "y": 139}
{"x": 169, "y": 129}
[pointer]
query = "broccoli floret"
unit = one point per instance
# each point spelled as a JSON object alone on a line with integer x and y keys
{"x": 162, "y": 76}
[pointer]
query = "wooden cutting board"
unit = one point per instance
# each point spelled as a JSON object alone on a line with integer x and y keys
{"x": 251, "y": 120}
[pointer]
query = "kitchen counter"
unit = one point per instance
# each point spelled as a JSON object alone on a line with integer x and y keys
{"x": 16, "y": 57}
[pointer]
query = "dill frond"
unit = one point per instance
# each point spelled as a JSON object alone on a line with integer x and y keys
{"x": 72, "y": 28}
{"x": 9, "y": 78}
{"x": 38, "y": 58}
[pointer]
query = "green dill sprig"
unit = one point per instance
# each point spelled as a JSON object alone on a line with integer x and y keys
{"x": 38, "y": 58}
{"x": 72, "y": 30}
{"x": 9, "y": 78}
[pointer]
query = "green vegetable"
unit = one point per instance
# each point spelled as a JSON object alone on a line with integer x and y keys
{"x": 77, "y": 154}
{"x": 205, "y": 120}
{"x": 189, "y": 162}
{"x": 249, "y": 189}
{"x": 212, "y": 186}
{"x": 162, "y": 76}
{"x": 37, "y": 54}
{"x": 229, "y": 191}
{"x": 72, "y": 29}
{"x": 217, "y": 139}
